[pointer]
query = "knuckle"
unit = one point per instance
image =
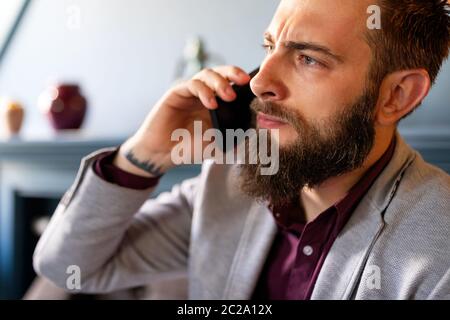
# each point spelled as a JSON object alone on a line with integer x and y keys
{"x": 197, "y": 76}
{"x": 219, "y": 68}
{"x": 196, "y": 82}
{"x": 202, "y": 74}
{"x": 234, "y": 69}
{"x": 208, "y": 71}
{"x": 231, "y": 69}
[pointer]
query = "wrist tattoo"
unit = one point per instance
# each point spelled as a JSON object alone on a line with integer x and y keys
{"x": 147, "y": 166}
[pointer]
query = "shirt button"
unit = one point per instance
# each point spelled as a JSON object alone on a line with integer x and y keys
{"x": 277, "y": 215}
{"x": 308, "y": 250}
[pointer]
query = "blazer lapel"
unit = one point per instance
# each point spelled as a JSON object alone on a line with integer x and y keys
{"x": 341, "y": 269}
{"x": 347, "y": 258}
{"x": 254, "y": 245}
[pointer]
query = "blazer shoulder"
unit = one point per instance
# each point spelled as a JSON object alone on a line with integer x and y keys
{"x": 424, "y": 196}
{"x": 429, "y": 180}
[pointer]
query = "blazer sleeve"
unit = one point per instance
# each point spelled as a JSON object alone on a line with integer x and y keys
{"x": 114, "y": 237}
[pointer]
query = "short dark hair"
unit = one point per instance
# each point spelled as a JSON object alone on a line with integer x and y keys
{"x": 414, "y": 34}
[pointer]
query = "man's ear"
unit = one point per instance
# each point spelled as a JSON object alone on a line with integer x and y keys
{"x": 400, "y": 93}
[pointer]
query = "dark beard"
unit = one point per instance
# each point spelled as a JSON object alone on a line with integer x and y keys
{"x": 337, "y": 146}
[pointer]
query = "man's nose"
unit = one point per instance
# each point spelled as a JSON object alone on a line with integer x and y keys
{"x": 267, "y": 85}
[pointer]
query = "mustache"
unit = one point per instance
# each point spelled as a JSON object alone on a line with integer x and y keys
{"x": 293, "y": 117}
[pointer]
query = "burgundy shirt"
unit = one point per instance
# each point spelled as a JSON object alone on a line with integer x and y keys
{"x": 105, "y": 169}
{"x": 299, "y": 250}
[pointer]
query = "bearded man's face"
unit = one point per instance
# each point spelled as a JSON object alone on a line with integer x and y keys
{"x": 320, "y": 151}
{"x": 314, "y": 87}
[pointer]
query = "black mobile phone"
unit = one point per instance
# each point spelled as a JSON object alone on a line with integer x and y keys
{"x": 235, "y": 114}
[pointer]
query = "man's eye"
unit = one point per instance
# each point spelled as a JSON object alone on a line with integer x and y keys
{"x": 268, "y": 47}
{"x": 307, "y": 60}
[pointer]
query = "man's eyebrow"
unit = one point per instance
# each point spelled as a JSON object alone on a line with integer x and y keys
{"x": 306, "y": 46}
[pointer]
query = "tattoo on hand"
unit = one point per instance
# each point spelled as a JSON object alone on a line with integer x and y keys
{"x": 147, "y": 166}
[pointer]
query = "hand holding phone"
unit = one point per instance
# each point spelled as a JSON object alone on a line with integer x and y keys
{"x": 236, "y": 114}
{"x": 178, "y": 109}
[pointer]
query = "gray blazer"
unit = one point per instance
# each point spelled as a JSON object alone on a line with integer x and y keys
{"x": 395, "y": 246}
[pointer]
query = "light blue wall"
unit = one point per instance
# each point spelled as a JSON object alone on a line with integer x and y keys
{"x": 125, "y": 53}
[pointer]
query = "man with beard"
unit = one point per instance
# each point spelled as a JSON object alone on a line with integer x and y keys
{"x": 353, "y": 212}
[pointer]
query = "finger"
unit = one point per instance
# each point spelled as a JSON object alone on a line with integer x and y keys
{"x": 233, "y": 74}
{"x": 200, "y": 90}
{"x": 218, "y": 83}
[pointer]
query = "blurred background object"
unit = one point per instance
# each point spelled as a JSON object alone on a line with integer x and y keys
{"x": 195, "y": 58}
{"x": 64, "y": 105}
{"x": 12, "y": 113}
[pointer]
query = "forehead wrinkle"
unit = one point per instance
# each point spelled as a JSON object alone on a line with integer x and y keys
{"x": 306, "y": 21}
{"x": 296, "y": 24}
{"x": 288, "y": 28}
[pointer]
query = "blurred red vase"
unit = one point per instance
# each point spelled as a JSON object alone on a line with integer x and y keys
{"x": 65, "y": 106}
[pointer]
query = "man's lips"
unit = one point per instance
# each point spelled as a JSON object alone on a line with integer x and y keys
{"x": 269, "y": 122}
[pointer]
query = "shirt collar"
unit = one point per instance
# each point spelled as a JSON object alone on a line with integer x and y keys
{"x": 284, "y": 215}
